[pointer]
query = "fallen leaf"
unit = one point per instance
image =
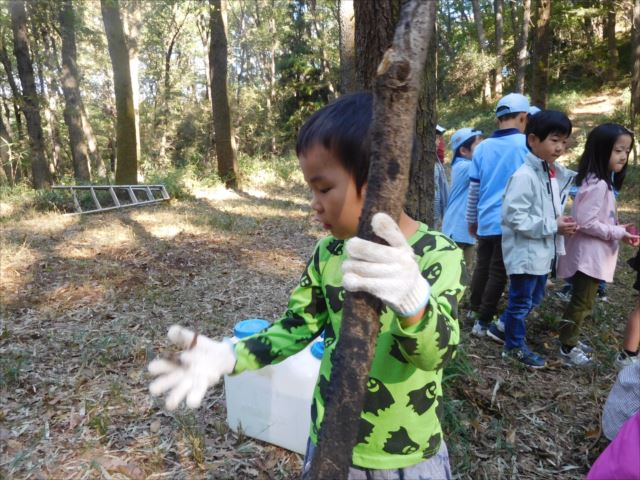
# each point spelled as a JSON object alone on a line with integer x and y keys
{"x": 118, "y": 465}
{"x": 155, "y": 426}
{"x": 511, "y": 437}
{"x": 593, "y": 433}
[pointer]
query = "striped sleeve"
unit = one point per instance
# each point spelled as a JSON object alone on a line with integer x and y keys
{"x": 472, "y": 202}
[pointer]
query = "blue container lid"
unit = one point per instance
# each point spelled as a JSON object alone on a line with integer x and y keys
{"x": 317, "y": 349}
{"x": 246, "y": 328}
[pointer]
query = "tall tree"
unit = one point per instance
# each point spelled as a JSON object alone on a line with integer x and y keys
{"x": 540, "y": 57}
{"x": 227, "y": 164}
{"x": 6, "y": 157}
{"x": 127, "y": 148}
{"x": 15, "y": 93}
{"x": 523, "y": 38}
{"x": 484, "y": 46}
{"x": 499, "y": 11}
{"x": 610, "y": 34}
{"x": 347, "y": 47}
{"x": 396, "y": 93}
{"x": 71, "y": 91}
{"x": 131, "y": 24}
{"x": 39, "y": 168}
{"x": 635, "y": 77}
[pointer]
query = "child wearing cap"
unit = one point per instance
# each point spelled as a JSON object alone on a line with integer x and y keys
{"x": 493, "y": 162}
{"x": 441, "y": 186}
{"x": 454, "y": 225}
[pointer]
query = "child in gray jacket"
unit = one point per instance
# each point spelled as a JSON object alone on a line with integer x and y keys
{"x": 531, "y": 220}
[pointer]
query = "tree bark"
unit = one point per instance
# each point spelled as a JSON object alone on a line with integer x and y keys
{"x": 484, "y": 44}
{"x": 131, "y": 24}
{"x": 71, "y": 91}
{"x": 396, "y": 93}
{"x": 126, "y": 141}
{"x": 39, "y": 168}
{"x": 347, "y": 47}
{"x": 375, "y": 23}
{"x": 499, "y": 11}
{"x": 421, "y": 192}
{"x": 227, "y": 164}
{"x": 522, "y": 46}
{"x": 6, "y": 158}
{"x": 540, "y": 59}
{"x": 15, "y": 93}
{"x": 635, "y": 76}
{"x": 610, "y": 34}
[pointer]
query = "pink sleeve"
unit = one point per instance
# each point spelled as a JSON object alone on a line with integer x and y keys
{"x": 591, "y": 199}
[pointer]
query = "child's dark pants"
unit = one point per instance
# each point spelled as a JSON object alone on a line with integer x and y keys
{"x": 583, "y": 297}
{"x": 489, "y": 278}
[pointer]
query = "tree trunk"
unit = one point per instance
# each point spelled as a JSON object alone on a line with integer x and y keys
{"x": 6, "y": 158}
{"x": 131, "y": 23}
{"x": 71, "y": 91}
{"x": 540, "y": 58}
{"x": 227, "y": 165}
{"x": 347, "y": 47}
{"x": 610, "y": 34}
{"x": 396, "y": 97}
{"x": 635, "y": 76}
{"x": 15, "y": 93}
{"x": 375, "y": 23}
{"x": 421, "y": 192}
{"x": 522, "y": 46}
{"x": 126, "y": 141}
{"x": 499, "y": 10}
{"x": 484, "y": 44}
{"x": 39, "y": 168}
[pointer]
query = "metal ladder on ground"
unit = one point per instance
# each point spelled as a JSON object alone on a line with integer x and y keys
{"x": 154, "y": 194}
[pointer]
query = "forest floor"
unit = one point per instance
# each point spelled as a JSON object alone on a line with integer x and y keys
{"x": 87, "y": 300}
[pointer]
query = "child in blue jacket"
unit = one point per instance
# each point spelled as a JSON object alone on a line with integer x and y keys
{"x": 454, "y": 225}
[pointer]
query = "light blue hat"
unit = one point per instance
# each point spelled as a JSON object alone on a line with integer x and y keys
{"x": 533, "y": 110}
{"x": 512, "y": 103}
{"x": 462, "y": 136}
{"x": 440, "y": 130}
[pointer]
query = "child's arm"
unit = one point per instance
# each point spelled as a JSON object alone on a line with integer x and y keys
{"x": 517, "y": 209}
{"x": 432, "y": 339}
{"x": 588, "y": 203}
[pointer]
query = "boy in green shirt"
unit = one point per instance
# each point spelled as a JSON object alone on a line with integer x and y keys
{"x": 419, "y": 276}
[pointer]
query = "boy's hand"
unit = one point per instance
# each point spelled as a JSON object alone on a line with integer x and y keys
{"x": 473, "y": 230}
{"x": 390, "y": 273}
{"x": 200, "y": 367}
{"x": 566, "y": 225}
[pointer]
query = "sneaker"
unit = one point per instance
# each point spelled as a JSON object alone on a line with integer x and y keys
{"x": 525, "y": 356}
{"x": 471, "y": 316}
{"x": 496, "y": 332}
{"x": 576, "y": 358}
{"x": 602, "y": 296}
{"x": 564, "y": 293}
{"x": 584, "y": 347}
{"x": 479, "y": 329}
{"x": 624, "y": 360}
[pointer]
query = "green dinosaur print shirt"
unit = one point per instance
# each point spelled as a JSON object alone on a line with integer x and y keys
{"x": 399, "y": 424}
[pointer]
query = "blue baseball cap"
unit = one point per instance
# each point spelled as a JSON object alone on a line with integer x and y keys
{"x": 512, "y": 103}
{"x": 462, "y": 136}
{"x": 533, "y": 110}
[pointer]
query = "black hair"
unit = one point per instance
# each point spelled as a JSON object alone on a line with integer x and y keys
{"x": 546, "y": 122}
{"x": 342, "y": 127}
{"x": 597, "y": 154}
{"x": 506, "y": 116}
{"x": 466, "y": 144}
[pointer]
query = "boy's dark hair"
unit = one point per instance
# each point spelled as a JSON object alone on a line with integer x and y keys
{"x": 466, "y": 144}
{"x": 546, "y": 122}
{"x": 342, "y": 127}
{"x": 597, "y": 154}
{"x": 507, "y": 116}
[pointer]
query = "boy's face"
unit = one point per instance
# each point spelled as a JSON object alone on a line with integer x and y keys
{"x": 549, "y": 149}
{"x": 335, "y": 200}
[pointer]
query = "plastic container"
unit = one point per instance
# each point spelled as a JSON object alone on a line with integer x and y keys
{"x": 273, "y": 404}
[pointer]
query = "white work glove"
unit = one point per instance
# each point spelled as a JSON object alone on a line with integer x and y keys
{"x": 200, "y": 368}
{"x": 390, "y": 273}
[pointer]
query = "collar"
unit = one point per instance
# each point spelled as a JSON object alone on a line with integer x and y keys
{"x": 505, "y": 132}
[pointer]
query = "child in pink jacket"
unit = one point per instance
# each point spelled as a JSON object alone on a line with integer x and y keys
{"x": 591, "y": 253}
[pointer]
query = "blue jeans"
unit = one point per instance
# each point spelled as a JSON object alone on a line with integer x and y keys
{"x": 525, "y": 293}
